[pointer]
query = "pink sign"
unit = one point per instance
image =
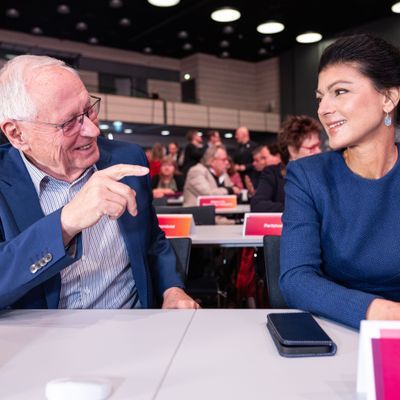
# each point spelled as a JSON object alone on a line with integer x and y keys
{"x": 228, "y": 201}
{"x": 256, "y": 224}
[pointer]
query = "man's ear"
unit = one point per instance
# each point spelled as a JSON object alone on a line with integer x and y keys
{"x": 14, "y": 134}
{"x": 391, "y": 100}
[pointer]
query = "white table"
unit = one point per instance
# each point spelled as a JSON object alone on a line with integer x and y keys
{"x": 239, "y": 209}
{"x": 224, "y": 236}
{"x": 164, "y": 355}
{"x": 229, "y": 354}
{"x": 130, "y": 348}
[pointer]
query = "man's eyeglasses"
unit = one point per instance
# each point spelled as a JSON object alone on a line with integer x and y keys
{"x": 74, "y": 125}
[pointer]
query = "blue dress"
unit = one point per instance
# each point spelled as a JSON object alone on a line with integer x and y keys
{"x": 341, "y": 238}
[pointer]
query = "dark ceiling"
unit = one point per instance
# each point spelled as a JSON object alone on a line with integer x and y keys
{"x": 157, "y": 30}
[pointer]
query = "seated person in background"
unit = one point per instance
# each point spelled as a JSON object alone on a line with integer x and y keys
{"x": 208, "y": 177}
{"x": 341, "y": 226}
{"x": 168, "y": 182}
{"x": 234, "y": 176}
{"x": 157, "y": 153}
{"x": 299, "y": 137}
{"x": 77, "y": 228}
{"x": 263, "y": 156}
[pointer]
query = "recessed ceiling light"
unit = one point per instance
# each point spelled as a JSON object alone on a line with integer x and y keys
{"x": 125, "y": 22}
{"x": 104, "y": 126}
{"x": 110, "y": 136}
{"x": 228, "y": 30}
{"x": 225, "y": 54}
{"x": 228, "y": 135}
{"x": 12, "y": 13}
{"x": 128, "y": 130}
{"x": 309, "y": 37}
{"x": 148, "y": 50}
{"x": 186, "y": 77}
{"x": 187, "y": 46}
{"x": 115, "y": 3}
{"x": 225, "y": 14}
{"x": 165, "y": 133}
{"x": 224, "y": 44}
{"x": 63, "y": 9}
{"x": 81, "y": 26}
{"x": 93, "y": 40}
{"x": 183, "y": 35}
{"x": 37, "y": 30}
{"x": 270, "y": 27}
{"x": 396, "y": 7}
{"x": 163, "y": 3}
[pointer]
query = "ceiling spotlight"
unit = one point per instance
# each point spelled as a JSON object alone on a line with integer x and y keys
{"x": 93, "y": 40}
{"x": 225, "y": 54}
{"x": 81, "y": 26}
{"x": 12, "y": 13}
{"x": 228, "y": 30}
{"x": 224, "y": 44}
{"x": 187, "y": 47}
{"x": 128, "y": 130}
{"x": 163, "y": 3}
{"x": 147, "y": 50}
{"x": 270, "y": 27}
{"x": 225, "y": 14}
{"x": 110, "y": 136}
{"x": 116, "y": 3}
{"x": 228, "y": 135}
{"x": 396, "y": 7}
{"x": 267, "y": 39}
{"x": 63, "y": 9}
{"x": 309, "y": 37}
{"x": 183, "y": 35}
{"x": 165, "y": 133}
{"x": 186, "y": 77}
{"x": 37, "y": 31}
{"x": 125, "y": 22}
{"x": 104, "y": 126}
{"x": 262, "y": 52}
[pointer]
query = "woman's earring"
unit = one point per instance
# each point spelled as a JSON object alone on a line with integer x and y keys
{"x": 387, "y": 120}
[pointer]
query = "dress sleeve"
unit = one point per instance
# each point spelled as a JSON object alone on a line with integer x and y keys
{"x": 303, "y": 282}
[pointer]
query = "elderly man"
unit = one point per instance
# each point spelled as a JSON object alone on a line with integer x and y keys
{"x": 77, "y": 229}
{"x": 208, "y": 177}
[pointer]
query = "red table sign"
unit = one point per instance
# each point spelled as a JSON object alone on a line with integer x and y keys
{"x": 229, "y": 201}
{"x": 256, "y": 224}
{"x": 176, "y": 225}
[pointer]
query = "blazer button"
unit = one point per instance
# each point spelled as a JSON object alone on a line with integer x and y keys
{"x": 42, "y": 262}
{"x": 48, "y": 257}
{"x": 33, "y": 268}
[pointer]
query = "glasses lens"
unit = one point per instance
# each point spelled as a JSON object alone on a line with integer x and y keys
{"x": 72, "y": 126}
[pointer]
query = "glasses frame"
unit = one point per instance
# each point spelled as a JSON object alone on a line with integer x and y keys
{"x": 78, "y": 117}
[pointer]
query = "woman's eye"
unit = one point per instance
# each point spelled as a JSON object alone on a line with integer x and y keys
{"x": 340, "y": 91}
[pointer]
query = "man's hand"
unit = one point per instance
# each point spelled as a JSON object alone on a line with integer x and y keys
{"x": 101, "y": 195}
{"x": 175, "y": 297}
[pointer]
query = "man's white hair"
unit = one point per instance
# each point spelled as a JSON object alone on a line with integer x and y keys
{"x": 16, "y": 101}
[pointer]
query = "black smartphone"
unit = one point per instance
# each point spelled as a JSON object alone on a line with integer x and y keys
{"x": 299, "y": 335}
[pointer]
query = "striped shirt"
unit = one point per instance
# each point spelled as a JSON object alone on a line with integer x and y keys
{"x": 102, "y": 278}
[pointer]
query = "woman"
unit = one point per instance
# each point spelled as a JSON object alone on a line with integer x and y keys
{"x": 167, "y": 183}
{"x": 339, "y": 252}
{"x": 298, "y": 137}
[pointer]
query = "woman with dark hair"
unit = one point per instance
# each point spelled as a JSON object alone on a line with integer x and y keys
{"x": 341, "y": 225}
{"x": 298, "y": 137}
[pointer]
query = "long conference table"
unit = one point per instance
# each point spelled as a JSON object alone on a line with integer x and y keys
{"x": 168, "y": 354}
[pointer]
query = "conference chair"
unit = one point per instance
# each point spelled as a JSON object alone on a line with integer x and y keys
{"x": 182, "y": 247}
{"x": 272, "y": 271}
{"x": 204, "y": 215}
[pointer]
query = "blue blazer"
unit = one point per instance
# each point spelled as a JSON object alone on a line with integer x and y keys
{"x": 28, "y": 237}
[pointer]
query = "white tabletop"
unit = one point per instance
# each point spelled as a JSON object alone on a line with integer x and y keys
{"x": 224, "y": 236}
{"x": 131, "y": 348}
{"x": 229, "y": 354}
{"x": 164, "y": 355}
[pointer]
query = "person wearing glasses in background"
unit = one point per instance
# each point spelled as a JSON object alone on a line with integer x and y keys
{"x": 77, "y": 228}
{"x": 299, "y": 137}
{"x": 341, "y": 226}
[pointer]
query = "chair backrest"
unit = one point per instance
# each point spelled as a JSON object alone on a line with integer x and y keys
{"x": 160, "y": 201}
{"x": 182, "y": 247}
{"x": 204, "y": 215}
{"x": 272, "y": 271}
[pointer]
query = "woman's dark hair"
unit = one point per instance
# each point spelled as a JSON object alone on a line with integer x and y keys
{"x": 375, "y": 58}
{"x": 294, "y": 130}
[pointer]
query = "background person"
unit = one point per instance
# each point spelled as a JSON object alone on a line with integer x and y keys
{"x": 299, "y": 137}
{"x": 168, "y": 182}
{"x": 77, "y": 228}
{"x": 341, "y": 225}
